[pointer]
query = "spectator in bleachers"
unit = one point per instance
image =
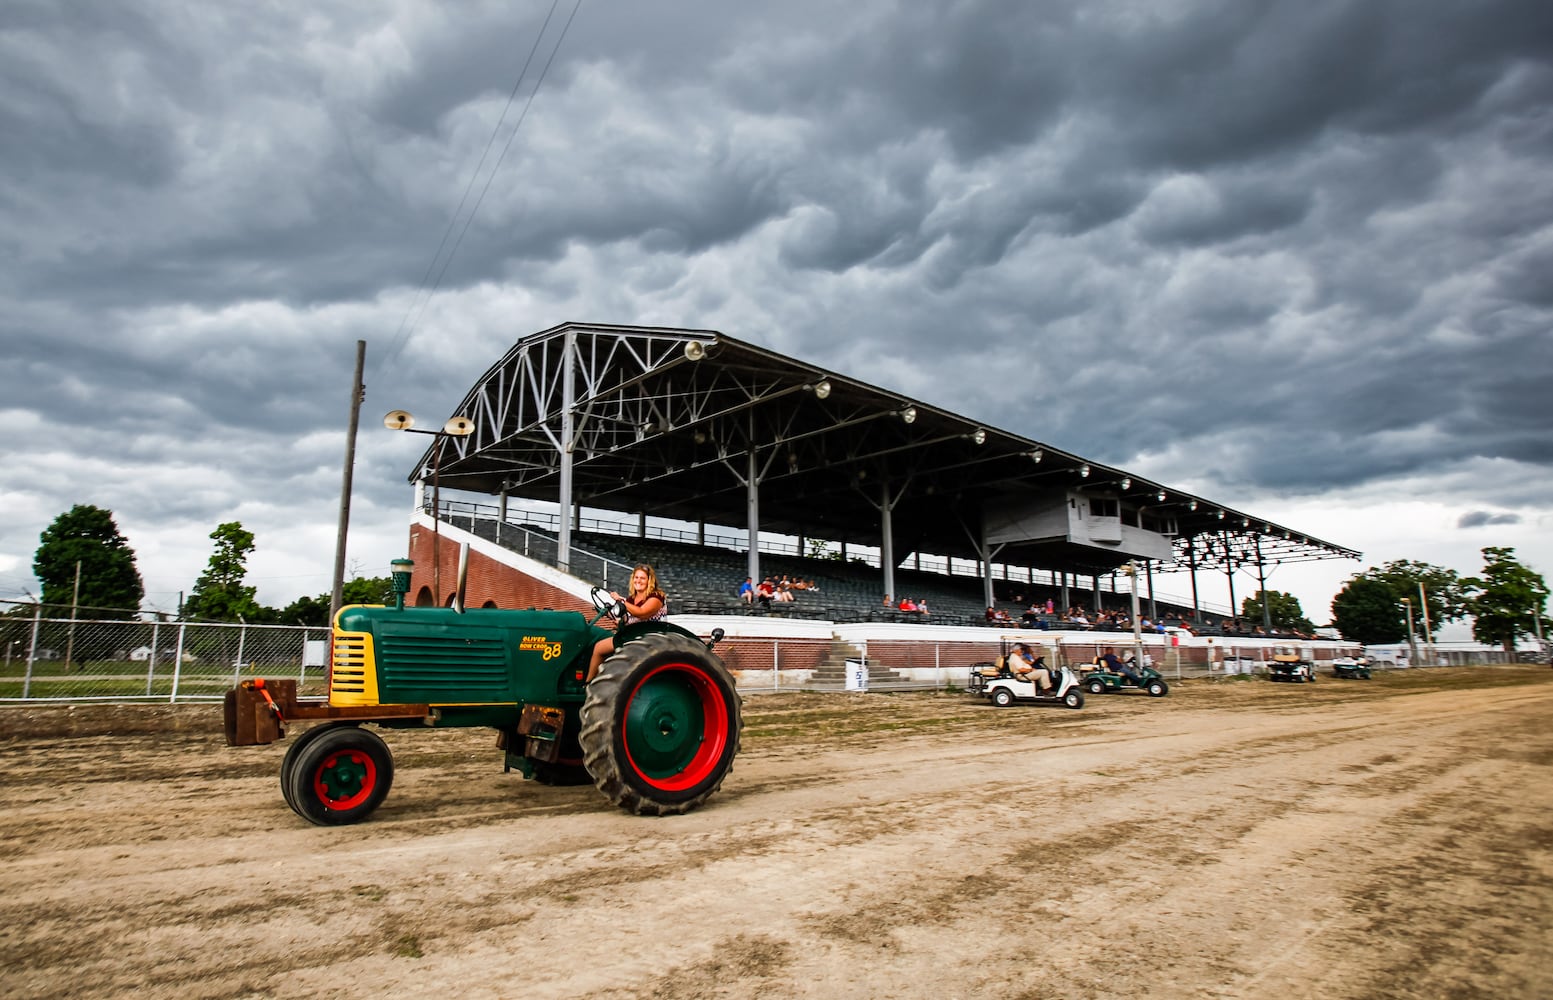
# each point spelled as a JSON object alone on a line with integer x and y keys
{"x": 645, "y": 602}
{"x": 764, "y": 592}
{"x": 906, "y": 604}
{"x": 747, "y": 591}
{"x": 922, "y": 607}
{"x": 784, "y": 591}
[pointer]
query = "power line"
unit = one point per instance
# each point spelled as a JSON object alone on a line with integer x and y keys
{"x": 418, "y": 305}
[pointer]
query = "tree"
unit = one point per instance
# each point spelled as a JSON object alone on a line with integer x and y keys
{"x": 1506, "y": 600}
{"x": 219, "y": 593}
{"x": 87, "y": 536}
{"x": 1366, "y": 610}
{"x": 1447, "y": 596}
{"x": 315, "y": 610}
{"x": 368, "y": 590}
{"x": 1283, "y": 609}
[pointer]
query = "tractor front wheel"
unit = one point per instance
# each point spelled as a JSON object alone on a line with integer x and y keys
{"x": 661, "y": 725}
{"x": 288, "y": 764}
{"x": 340, "y": 776}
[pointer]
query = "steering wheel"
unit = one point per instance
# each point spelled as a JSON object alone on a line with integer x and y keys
{"x": 606, "y": 605}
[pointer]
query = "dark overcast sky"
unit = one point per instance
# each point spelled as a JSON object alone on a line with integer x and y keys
{"x": 1297, "y": 256}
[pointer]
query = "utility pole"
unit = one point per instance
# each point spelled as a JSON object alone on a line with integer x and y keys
{"x": 1412, "y": 644}
{"x": 1423, "y": 602}
{"x": 358, "y": 393}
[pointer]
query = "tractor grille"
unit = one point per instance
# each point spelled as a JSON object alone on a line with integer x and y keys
{"x": 463, "y": 665}
{"x": 351, "y": 681}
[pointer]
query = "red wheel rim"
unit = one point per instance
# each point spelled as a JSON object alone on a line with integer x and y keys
{"x": 345, "y": 779}
{"x": 675, "y": 728}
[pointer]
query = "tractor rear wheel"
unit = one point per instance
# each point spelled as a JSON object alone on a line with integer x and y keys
{"x": 661, "y": 725}
{"x": 340, "y": 776}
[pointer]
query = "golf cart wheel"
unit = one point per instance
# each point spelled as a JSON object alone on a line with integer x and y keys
{"x": 661, "y": 725}
{"x": 1003, "y": 697}
{"x": 341, "y": 776}
{"x": 1157, "y": 688}
{"x": 1096, "y": 686}
{"x": 1074, "y": 698}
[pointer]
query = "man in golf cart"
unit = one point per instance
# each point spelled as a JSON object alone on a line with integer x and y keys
{"x": 1109, "y": 661}
{"x": 1030, "y": 665}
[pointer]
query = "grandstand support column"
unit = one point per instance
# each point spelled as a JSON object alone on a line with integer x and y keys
{"x": 1261, "y": 576}
{"x": 752, "y": 505}
{"x": 1148, "y": 576}
{"x": 1191, "y": 561}
{"x": 887, "y": 541}
{"x": 1229, "y": 574}
{"x": 568, "y": 401}
{"x": 984, "y": 554}
{"x": 886, "y": 507}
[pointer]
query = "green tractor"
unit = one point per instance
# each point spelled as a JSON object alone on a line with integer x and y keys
{"x": 656, "y": 731}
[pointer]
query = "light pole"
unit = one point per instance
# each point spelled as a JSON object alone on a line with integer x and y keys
{"x": 400, "y": 420}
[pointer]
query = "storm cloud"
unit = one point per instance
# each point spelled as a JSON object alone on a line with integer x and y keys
{"x": 1273, "y": 252}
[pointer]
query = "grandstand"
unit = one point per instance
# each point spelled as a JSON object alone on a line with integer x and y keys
{"x": 697, "y": 428}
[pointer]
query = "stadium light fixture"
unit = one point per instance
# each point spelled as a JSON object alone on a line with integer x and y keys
{"x": 456, "y": 426}
{"x": 1127, "y": 482}
{"x": 1084, "y": 471}
{"x": 1036, "y": 456}
{"x": 909, "y": 415}
{"x": 979, "y": 436}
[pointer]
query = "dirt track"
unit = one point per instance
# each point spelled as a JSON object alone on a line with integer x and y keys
{"x": 1244, "y": 839}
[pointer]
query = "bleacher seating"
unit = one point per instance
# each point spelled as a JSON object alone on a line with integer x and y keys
{"x": 705, "y": 580}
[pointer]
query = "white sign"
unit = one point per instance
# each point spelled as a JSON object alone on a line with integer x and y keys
{"x": 315, "y": 653}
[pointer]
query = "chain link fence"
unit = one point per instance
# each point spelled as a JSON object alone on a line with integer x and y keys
{"x": 68, "y": 659}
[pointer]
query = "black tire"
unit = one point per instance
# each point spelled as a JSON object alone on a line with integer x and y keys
{"x": 1096, "y": 686}
{"x": 1003, "y": 697}
{"x": 289, "y": 762}
{"x": 661, "y": 725}
{"x": 1074, "y": 698}
{"x": 341, "y": 776}
{"x": 1157, "y": 688}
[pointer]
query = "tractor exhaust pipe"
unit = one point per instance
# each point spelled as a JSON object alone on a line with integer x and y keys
{"x": 463, "y": 577}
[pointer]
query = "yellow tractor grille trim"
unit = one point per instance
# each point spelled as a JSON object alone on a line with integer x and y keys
{"x": 353, "y": 679}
